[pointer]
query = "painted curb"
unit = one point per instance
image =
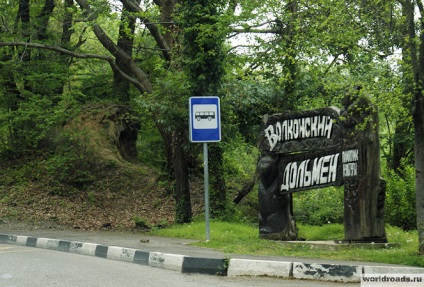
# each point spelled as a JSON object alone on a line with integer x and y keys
{"x": 161, "y": 260}
{"x": 246, "y": 267}
{"x": 47, "y": 243}
{"x": 166, "y": 261}
{"x": 121, "y": 254}
{"x": 224, "y": 267}
{"x": 83, "y": 248}
{"x": 327, "y": 272}
{"x": 208, "y": 266}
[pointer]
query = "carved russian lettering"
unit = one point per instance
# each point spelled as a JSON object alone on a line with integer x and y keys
{"x": 310, "y": 173}
{"x": 313, "y": 149}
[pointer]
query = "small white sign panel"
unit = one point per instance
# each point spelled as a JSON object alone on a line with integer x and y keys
{"x": 205, "y": 117}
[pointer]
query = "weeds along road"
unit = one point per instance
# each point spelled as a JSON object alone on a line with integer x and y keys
{"x": 35, "y": 267}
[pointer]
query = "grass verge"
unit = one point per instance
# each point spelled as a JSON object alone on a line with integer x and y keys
{"x": 235, "y": 238}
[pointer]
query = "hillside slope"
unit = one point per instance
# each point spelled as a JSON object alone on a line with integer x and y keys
{"x": 89, "y": 179}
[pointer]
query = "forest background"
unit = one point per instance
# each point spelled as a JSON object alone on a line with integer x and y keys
{"x": 94, "y": 103}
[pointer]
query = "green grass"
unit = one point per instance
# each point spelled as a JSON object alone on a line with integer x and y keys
{"x": 234, "y": 238}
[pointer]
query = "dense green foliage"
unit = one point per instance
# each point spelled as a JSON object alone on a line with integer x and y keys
{"x": 57, "y": 57}
{"x": 400, "y": 199}
{"x": 319, "y": 207}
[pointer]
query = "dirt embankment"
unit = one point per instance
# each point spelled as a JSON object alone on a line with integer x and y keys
{"x": 119, "y": 193}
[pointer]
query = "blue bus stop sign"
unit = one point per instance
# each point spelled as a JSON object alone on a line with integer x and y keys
{"x": 205, "y": 119}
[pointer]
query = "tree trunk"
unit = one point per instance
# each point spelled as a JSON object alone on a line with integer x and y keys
{"x": 245, "y": 190}
{"x": 203, "y": 60}
{"x": 43, "y": 20}
{"x": 125, "y": 43}
{"x": 418, "y": 117}
{"x": 400, "y": 147}
{"x": 417, "y": 63}
{"x": 167, "y": 20}
{"x": 401, "y": 144}
{"x": 183, "y": 213}
{"x": 67, "y": 24}
{"x": 141, "y": 80}
{"x": 168, "y": 167}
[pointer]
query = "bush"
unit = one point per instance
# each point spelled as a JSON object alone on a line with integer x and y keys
{"x": 240, "y": 161}
{"x": 319, "y": 207}
{"x": 400, "y": 199}
{"x": 69, "y": 171}
{"x": 31, "y": 127}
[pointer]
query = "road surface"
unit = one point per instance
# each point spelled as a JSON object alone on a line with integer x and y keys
{"x": 26, "y": 266}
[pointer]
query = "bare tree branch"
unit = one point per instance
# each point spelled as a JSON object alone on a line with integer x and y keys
{"x": 56, "y": 49}
{"x": 333, "y": 62}
{"x": 144, "y": 83}
{"x": 153, "y": 29}
{"x": 253, "y": 28}
{"x": 241, "y": 46}
{"x": 256, "y": 31}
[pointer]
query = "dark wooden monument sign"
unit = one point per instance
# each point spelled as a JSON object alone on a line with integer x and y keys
{"x": 318, "y": 148}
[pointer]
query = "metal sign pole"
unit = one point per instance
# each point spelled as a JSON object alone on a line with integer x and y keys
{"x": 206, "y": 179}
{"x": 205, "y": 126}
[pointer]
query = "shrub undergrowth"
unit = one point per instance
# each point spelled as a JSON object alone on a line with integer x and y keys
{"x": 400, "y": 199}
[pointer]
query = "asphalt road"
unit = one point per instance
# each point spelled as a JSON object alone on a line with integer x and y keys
{"x": 24, "y": 266}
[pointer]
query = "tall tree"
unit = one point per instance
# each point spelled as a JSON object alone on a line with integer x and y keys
{"x": 204, "y": 31}
{"x": 138, "y": 76}
{"x": 414, "y": 44}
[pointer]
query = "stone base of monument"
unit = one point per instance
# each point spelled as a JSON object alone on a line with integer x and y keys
{"x": 279, "y": 236}
{"x": 335, "y": 245}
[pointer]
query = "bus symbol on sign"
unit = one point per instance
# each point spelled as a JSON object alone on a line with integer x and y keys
{"x": 205, "y": 115}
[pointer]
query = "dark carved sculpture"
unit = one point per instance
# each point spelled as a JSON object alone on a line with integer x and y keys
{"x": 364, "y": 191}
{"x": 275, "y": 212}
{"x": 318, "y": 148}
